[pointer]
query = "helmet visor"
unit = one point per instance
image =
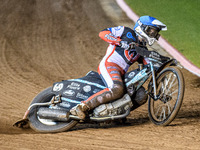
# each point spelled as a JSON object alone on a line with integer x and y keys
{"x": 152, "y": 32}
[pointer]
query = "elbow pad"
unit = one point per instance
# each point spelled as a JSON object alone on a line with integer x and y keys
{"x": 107, "y": 36}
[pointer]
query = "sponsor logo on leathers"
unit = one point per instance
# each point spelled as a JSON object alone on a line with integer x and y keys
{"x": 69, "y": 93}
{"x": 74, "y": 86}
{"x": 87, "y": 88}
{"x": 81, "y": 96}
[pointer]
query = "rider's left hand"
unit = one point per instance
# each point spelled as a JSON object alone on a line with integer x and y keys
{"x": 132, "y": 45}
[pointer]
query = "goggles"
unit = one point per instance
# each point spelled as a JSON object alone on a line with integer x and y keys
{"x": 152, "y": 32}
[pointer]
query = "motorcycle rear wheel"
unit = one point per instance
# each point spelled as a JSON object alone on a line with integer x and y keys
{"x": 170, "y": 90}
{"x": 44, "y": 125}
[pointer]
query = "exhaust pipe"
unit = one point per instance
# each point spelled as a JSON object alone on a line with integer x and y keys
{"x": 63, "y": 115}
{"x": 53, "y": 114}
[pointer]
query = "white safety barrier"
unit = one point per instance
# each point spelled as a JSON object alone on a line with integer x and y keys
{"x": 162, "y": 42}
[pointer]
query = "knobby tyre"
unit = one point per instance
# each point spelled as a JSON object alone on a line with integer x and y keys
{"x": 42, "y": 125}
{"x": 170, "y": 90}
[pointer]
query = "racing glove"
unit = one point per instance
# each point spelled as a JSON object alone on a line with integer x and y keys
{"x": 124, "y": 44}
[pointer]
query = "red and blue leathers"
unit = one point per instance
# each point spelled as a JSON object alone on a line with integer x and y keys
{"x": 114, "y": 64}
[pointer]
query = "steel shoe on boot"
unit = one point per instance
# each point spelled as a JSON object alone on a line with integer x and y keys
{"x": 79, "y": 110}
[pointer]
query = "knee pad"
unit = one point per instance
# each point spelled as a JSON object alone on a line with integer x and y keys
{"x": 117, "y": 91}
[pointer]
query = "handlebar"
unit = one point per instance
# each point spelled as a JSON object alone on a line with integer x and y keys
{"x": 150, "y": 54}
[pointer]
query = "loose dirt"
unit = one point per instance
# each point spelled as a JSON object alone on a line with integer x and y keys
{"x": 44, "y": 41}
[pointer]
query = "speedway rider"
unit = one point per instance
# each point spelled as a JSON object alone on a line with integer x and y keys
{"x": 118, "y": 58}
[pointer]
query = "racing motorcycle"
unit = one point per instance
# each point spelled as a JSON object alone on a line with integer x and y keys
{"x": 50, "y": 109}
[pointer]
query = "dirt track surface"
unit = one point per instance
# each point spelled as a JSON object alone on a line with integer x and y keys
{"x": 42, "y": 42}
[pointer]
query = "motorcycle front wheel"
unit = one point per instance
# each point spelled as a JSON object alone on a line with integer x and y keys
{"x": 46, "y": 125}
{"x": 170, "y": 92}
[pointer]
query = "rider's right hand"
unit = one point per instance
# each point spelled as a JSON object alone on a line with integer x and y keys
{"x": 124, "y": 44}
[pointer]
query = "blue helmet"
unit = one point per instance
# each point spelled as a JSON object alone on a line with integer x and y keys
{"x": 148, "y": 27}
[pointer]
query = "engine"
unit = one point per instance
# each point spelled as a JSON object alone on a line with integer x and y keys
{"x": 115, "y": 108}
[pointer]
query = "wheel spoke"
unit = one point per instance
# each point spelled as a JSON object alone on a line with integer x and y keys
{"x": 176, "y": 83}
{"x": 166, "y": 82}
{"x": 169, "y": 108}
{"x": 156, "y": 114}
{"x": 162, "y": 88}
{"x": 164, "y": 114}
{"x": 170, "y": 86}
{"x": 176, "y": 91}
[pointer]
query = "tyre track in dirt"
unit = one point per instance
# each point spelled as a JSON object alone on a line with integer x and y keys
{"x": 46, "y": 41}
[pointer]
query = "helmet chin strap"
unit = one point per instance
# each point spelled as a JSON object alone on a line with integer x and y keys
{"x": 149, "y": 40}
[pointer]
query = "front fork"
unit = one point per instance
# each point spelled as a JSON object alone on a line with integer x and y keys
{"x": 154, "y": 80}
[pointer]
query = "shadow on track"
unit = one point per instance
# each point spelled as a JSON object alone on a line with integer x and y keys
{"x": 114, "y": 124}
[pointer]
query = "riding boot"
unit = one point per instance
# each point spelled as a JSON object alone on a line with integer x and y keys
{"x": 79, "y": 110}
